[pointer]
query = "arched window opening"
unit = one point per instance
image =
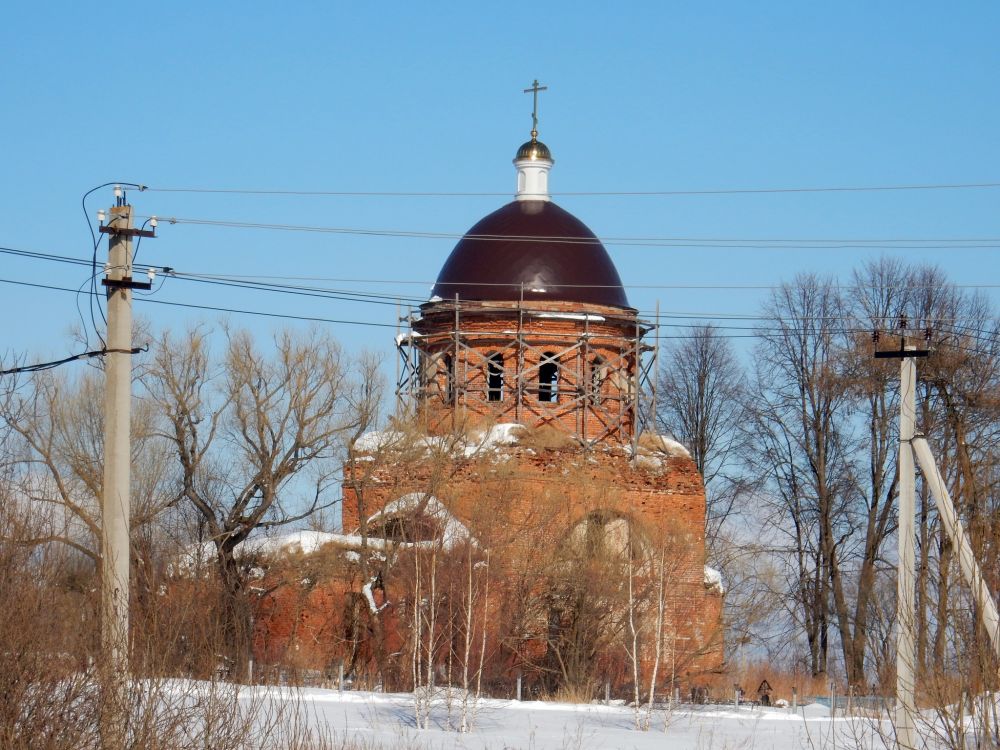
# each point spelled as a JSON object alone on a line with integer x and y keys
{"x": 548, "y": 379}
{"x": 598, "y": 374}
{"x": 449, "y": 374}
{"x": 494, "y": 377}
{"x": 409, "y": 528}
{"x": 608, "y": 535}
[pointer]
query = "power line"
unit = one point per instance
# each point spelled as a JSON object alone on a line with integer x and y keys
{"x": 677, "y": 242}
{"x": 682, "y": 287}
{"x": 583, "y": 193}
{"x": 755, "y": 332}
{"x": 269, "y": 315}
{"x": 343, "y": 295}
{"x": 212, "y": 308}
{"x": 431, "y": 282}
{"x": 41, "y": 366}
{"x": 344, "y": 322}
{"x": 45, "y": 256}
{"x": 339, "y": 294}
{"x": 390, "y": 299}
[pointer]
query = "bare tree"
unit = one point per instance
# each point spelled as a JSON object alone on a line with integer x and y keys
{"x": 700, "y": 402}
{"x": 55, "y": 467}
{"x": 592, "y": 597}
{"x": 878, "y": 298}
{"x": 652, "y": 564}
{"x": 799, "y": 448}
{"x": 257, "y": 438}
{"x": 960, "y": 383}
{"x": 824, "y": 422}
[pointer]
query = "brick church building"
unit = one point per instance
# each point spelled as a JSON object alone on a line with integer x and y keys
{"x": 523, "y": 446}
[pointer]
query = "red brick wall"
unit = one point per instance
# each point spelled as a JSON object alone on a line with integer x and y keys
{"x": 605, "y": 340}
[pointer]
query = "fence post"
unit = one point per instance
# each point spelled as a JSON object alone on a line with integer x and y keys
{"x": 340, "y": 678}
{"x": 519, "y": 686}
{"x": 607, "y": 692}
{"x": 736, "y": 696}
{"x": 795, "y": 699}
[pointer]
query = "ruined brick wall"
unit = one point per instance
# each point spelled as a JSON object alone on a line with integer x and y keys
{"x": 522, "y": 504}
{"x": 525, "y": 502}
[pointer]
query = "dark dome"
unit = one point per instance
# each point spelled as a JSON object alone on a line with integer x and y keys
{"x": 537, "y": 244}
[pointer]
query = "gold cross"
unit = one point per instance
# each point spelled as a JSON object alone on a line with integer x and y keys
{"x": 535, "y": 88}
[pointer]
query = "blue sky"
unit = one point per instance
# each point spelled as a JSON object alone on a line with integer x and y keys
{"x": 401, "y": 97}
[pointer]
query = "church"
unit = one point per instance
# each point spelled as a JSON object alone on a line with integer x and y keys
{"x": 520, "y": 516}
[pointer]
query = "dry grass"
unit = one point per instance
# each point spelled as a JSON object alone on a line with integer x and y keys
{"x": 574, "y": 694}
{"x": 782, "y": 681}
{"x": 547, "y": 438}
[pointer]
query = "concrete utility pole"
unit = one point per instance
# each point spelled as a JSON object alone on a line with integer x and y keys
{"x": 117, "y": 442}
{"x": 115, "y": 503}
{"x": 906, "y": 611}
{"x": 914, "y": 445}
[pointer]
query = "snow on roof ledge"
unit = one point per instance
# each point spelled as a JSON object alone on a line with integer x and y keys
{"x": 375, "y": 440}
{"x": 500, "y": 434}
{"x": 713, "y": 580}
{"x": 453, "y": 531}
{"x": 407, "y": 337}
{"x": 668, "y": 445}
{"x": 271, "y": 546}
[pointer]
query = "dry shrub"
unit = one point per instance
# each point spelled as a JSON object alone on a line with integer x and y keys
{"x": 48, "y": 642}
{"x": 54, "y": 689}
{"x": 178, "y": 629}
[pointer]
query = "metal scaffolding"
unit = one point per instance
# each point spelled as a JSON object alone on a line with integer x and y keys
{"x": 596, "y": 382}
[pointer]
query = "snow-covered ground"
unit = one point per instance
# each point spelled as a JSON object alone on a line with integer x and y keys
{"x": 387, "y": 720}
